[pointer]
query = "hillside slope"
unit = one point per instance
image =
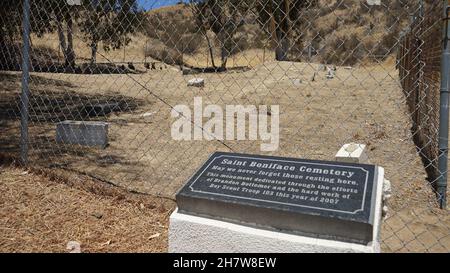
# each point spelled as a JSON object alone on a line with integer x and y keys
{"x": 342, "y": 32}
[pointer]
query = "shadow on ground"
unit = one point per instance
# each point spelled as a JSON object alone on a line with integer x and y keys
{"x": 52, "y": 101}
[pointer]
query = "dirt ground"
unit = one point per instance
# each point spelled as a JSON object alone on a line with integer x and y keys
{"x": 363, "y": 104}
{"x": 41, "y": 213}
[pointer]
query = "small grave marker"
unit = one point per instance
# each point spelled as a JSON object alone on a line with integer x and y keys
{"x": 86, "y": 133}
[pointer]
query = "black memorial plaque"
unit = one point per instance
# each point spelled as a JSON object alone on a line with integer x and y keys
{"x": 331, "y": 200}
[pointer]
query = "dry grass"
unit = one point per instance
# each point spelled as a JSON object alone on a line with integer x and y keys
{"x": 341, "y": 31}
{"x": 40, "y": 213}
{"x": 363, "y": 104}
{"x": 143, "y": 157}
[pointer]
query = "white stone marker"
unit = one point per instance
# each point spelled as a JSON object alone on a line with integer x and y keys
{"x": 356, "y": 153}
{"x": 197, "y": 82}
{"x": 352, "y": 153}
{"x": 197, "y": 232}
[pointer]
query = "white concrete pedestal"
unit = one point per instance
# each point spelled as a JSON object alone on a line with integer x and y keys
{"x": 193, "y": 234}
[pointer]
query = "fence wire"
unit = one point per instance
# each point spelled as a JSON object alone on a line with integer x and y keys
{"x": 420, "y": 67}
{"x": 341, "y": 71}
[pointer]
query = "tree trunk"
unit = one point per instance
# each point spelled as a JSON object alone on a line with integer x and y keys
{"x": 224, "y": 54}
{"x": 61, "y": 37}
{"x": 66, "y": 47}
{"x": 94, "y": 46}
{"x": 283, "y": 29}
{"x": 224, "y": 51}
{"x": 282, "y": 48}
{"x": 210, "y": 49}
{"x": 70, "y": 52}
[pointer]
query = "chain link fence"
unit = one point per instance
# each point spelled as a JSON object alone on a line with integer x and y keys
{"x": 419, "y": 64}
{"x": 340, "y": 71}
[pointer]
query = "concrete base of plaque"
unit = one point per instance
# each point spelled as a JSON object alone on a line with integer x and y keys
{"x": 234, "y": 204}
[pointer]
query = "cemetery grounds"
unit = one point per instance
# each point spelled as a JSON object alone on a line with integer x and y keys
{"x": 111, "y": 199}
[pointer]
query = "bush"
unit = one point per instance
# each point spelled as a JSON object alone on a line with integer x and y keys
{"x": 160, "y": 52}
{"x": 344, "y": 50}
{"x": 190, "y": 43}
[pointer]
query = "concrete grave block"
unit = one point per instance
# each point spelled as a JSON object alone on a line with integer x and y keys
{"x": 352, "y": 153}
{"x": 85, "y": 133}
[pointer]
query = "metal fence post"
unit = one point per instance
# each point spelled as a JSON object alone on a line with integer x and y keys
{"x": 25, "y": 81}
{"x": 444, "y": 112}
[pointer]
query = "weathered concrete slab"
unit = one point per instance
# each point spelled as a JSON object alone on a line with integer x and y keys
{"x": 85, "y": 133}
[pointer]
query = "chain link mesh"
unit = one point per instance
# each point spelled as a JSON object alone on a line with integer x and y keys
{"x": 341, "y": 71}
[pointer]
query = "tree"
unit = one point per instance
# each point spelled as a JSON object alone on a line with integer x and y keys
{"x": 107, "y": 21}
{"x": 223, "y": 18}
{"x": 9, "y": 28}
{"x": 11, "y": 16}
{"x": 64, "y": 14}
{"x": 110, "y": 22}
{"x": 199, "y": 9}
{"x": 278, "y": 18}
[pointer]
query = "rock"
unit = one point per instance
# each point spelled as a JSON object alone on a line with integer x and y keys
{"x": 330, "y": 75}
{"x": 154, "y": 236}
{"x": 385, "y": 211}
{"x": 107, "y": 243}
{"x": 74, "y": 247}
{"x": 148, "y": 114}
{"x": 374, "y": 2}
{"x": 387, "y": 190}
{"x": 197, "y": 82}
{"x": 297, "y": 82}
{"x": 387, "y": 193}
{"x": 187, "y": 71}
{"x": 101, "y": 109}
{"x": 97, "y": 215}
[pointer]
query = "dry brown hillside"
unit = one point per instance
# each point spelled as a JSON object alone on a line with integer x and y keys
{"x": 341, "y": 32}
